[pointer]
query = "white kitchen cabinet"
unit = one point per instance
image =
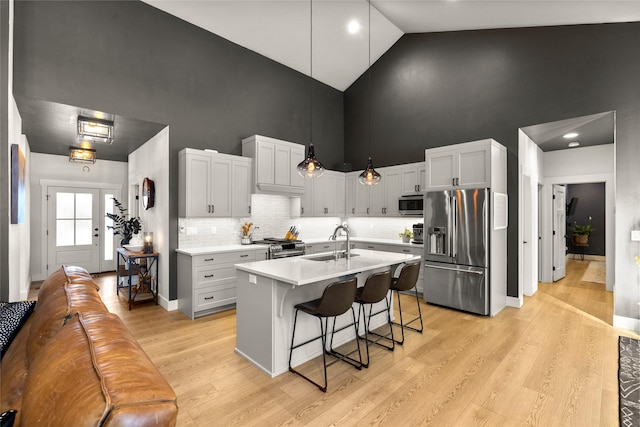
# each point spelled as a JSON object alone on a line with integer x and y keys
{"x": 241, "y": 187}
{"x": 213, "y": 184}
{"x": 413, "y": 178}
{"x": 466, "y": 165}
{"x": 274, "y": 164}
{"x": 207, "y": 281}
{"x": 382, "y": 199}
{"x": 351, "y": 183}
{"x": 324, "y": 196}
{"x": 205, "y": 184}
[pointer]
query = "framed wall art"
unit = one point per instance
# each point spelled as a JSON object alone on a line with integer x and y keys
{"x": 18, "y": 185}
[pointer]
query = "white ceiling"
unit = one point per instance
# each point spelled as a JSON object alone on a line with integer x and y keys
{"x": 280, "y": 30}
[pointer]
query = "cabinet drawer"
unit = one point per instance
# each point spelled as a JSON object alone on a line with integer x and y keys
{"x": 214, "y": 296}
{"x": 223, "y": 258}
{"x": 212, "y": 276}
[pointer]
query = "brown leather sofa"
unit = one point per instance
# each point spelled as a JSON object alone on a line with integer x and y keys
{"x": 75, "y": 364}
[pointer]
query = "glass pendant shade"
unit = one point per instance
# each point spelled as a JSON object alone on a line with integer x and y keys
{"x": 369, "y": 176}
{"x": 310, "y": 167}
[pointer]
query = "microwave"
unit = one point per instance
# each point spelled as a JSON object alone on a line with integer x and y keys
{"x": 411, "y": 205}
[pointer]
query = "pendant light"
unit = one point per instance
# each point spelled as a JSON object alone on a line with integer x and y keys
{"x": 311, "y": 167}
{"x": 369, "y": 176}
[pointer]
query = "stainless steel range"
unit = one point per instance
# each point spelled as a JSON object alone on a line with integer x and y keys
{"x": 282, "y": 248}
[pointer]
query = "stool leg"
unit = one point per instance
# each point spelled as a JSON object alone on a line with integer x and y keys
{"x": 368, "y": 331}
{"x": 324, "y": 360}
{"x": 403, "y": 325}
{"x": 346, "y": 357}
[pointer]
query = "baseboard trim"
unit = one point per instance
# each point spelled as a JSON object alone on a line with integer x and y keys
{"x": 514, "y": 302}
{"x": 628, "y": 323}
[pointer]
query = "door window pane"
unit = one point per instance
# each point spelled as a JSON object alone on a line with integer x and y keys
{"x": 107, "y": 232}
{"x": 83, "y": 205}
{"x": 64, "y": 205}
{"x": 64, "y": 232}
{"x": 84, "y": 233}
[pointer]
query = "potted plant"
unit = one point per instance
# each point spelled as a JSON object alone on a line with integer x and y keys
{"x": 406, "y": 235}
{"x": 581, "y": 233}
{"x": 125, "y": 227}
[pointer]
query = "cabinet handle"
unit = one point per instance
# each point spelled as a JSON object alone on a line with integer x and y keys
{"x": 415, "y": 188}
{"x": 367, "y": 211}
{"x": 326, "y": 211}
{"x": 208, "y": 298}
{"x": 326, "y": 247}
{"x": 353, "y": 210}
{"x": 371, "y": 247}
{"x": 213, "y": 209}
{"x": 244, "y": 256}
{"x": 301, "y": 210}
{"x": 453, "y": 181}
{"x": 207, "y": 276}
{"x": 249, "y": 208}
{"x": 209, "y": 259}
{"x": 406, "y": 250}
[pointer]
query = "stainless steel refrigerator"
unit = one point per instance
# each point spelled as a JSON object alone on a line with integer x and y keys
{"x": 456, "y": 249}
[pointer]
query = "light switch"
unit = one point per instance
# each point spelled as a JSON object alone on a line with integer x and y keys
{"x": 252, "y": 278}
{"x": 635, "y": 235}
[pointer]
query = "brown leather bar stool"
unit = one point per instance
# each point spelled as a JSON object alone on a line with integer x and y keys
{"x": 375, "y": 289}
{"x": 407, "y": 280}
{"x": 337, "y": 298}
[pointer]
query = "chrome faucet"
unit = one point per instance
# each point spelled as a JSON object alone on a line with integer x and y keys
{"x": 345, "y": 228}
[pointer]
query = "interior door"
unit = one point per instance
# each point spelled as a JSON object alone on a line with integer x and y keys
{"x": 73, "y": 228}
{"x": 559, "y": 231}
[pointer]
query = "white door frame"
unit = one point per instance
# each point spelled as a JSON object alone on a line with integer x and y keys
{"x": 559, "y": 234}
{"x": 44, "y": 184}
{"x": 610, "y": 228}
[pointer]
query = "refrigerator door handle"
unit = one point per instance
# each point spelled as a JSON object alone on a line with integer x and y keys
{"x": 454, "y": 228}
{"x": 480, "y": 272}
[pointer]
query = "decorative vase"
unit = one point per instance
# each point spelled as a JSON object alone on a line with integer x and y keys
{"x": 124, "y": 241}
{"x": 246, "y": 240}
{"x": 406, "y": 239}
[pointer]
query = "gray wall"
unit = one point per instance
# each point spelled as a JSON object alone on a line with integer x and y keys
{"x": 591, "y": 204}
{"x": 437, "y": 89}
{"x": 130, "y": 59}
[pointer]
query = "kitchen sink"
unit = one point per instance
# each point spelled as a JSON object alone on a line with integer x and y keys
{"x": 329, "y": 257}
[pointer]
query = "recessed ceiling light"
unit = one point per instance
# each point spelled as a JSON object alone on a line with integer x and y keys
{"x": 573, "y": 144}
{"x": 353, "y": 27}
{"x": 570, "y": 135}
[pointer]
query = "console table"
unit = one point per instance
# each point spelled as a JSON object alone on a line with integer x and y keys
{"x": 130, "y": 264}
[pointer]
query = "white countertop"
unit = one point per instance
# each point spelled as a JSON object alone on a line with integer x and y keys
{"x": 301, "y": 270}
{"x": 396, "y": 242}
{"x": 221, "y": 248}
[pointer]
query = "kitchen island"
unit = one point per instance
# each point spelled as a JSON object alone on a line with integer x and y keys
{"x": 268, "y": 290}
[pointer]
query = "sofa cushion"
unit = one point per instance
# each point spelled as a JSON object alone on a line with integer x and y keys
{"x": 93, "y": 372}
{"x": 65, "y": 292}
{"x": 12, "y": 317}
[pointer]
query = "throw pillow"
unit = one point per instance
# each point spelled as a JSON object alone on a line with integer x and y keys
{"x": 12, "y": 317}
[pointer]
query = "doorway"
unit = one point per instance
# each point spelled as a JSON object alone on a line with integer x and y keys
{"x": 559, "y": 232}
{"x": 77, "y": 229}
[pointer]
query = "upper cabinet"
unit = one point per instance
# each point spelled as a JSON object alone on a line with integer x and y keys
{"x": 274, "y": 165}
{"x": 324, "y": 196}
{"x": 213, "y": 185}
{"x": 466, "y": 165}
{"x": 413, "y": 177}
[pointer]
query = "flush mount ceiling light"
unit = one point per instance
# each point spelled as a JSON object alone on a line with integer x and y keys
{"x": 311, "y": 167}
{"x": 95, "y": 130}
{"x": 369, "y": 176}
{"x": 573, "y": 144}
{"x": 82, "y": 155}
{"x": 570, "y": 135}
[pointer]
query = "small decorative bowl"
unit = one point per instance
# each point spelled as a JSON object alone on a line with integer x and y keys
{"x": 133, "y": 248}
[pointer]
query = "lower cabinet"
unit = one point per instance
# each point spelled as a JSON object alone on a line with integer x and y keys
{"x": 207, "y": 282}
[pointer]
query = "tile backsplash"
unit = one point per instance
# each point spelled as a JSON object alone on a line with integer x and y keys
{"x": 271, "y": 214}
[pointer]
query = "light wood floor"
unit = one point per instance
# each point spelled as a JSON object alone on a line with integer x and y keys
{"x": 552, "y": 362}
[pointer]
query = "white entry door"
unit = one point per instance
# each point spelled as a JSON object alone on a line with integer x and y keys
{"x": 559, "y": 231}
{"x": 73, "y": 228}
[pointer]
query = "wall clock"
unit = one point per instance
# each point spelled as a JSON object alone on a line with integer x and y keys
{"x": 148, "y": 193}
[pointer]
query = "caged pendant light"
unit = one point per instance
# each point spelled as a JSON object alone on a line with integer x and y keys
{"x": 311, "y": 167}
{"x": 369, "y": 176}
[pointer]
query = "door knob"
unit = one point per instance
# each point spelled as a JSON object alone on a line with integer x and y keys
{"x": 96, "y": 235}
